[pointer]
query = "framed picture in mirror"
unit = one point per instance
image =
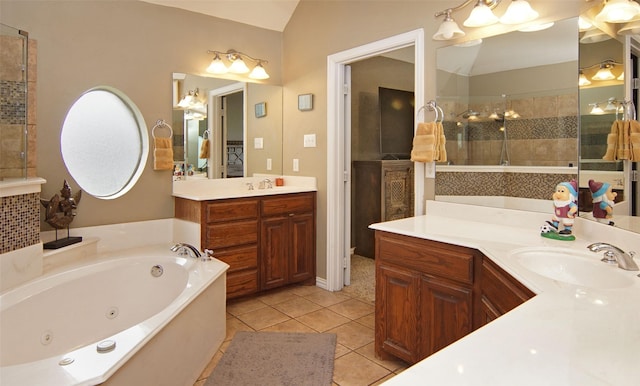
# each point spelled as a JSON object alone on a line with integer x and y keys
{"x": 261, "y": 109}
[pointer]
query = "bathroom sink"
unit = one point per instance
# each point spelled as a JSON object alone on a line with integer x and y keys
{"x": 567, "y": 266}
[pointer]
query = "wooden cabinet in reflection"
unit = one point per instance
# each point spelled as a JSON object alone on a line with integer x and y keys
{"x": 383, "y": 191}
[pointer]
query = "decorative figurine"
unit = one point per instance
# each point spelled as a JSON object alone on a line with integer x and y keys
{"x": 565, "y": 209}
{"x": 603, "y": 200}
{"x": 59, "y": 213}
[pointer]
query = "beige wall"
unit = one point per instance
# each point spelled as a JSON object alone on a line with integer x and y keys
{"x": 135, "y": 47}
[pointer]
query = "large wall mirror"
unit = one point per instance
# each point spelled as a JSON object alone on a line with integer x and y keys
{"x": 517, "y": 122}
{"x": 510, "y": 117}
{"x": 225, "y": 128}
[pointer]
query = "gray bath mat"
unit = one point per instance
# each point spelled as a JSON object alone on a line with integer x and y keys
{"x": 276, "y": 358}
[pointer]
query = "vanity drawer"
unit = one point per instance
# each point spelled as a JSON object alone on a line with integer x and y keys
{"x": 430, "y": 257}
{"x": 231, "y": 234}
{"x": 292, "y": 203}
{"x": 231, "y": 210}
{"x": 239, "y": 259}
{"x": 242, "y": 283}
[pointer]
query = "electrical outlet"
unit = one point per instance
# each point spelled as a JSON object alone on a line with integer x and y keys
{"x": 309, "y": 140}
{"x": 296, "y": 165}
{"x": 430, "y": 170}
{"x": 268, "y": 163}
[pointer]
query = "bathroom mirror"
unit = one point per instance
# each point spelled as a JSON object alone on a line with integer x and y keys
{"x": 221, "y": 112}
{"x": 510, "y": 116}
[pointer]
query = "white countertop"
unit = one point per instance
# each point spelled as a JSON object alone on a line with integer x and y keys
{"x": 201, "y": 189}
{"x": 566, "y": 335}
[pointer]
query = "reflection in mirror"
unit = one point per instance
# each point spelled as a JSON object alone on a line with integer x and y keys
{"x": 604, "y": 106}
{"x": 511, "y": 124}
{"x": 217, "y": 134}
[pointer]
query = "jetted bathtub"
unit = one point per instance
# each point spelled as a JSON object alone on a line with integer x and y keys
{"x": 143, "y": 316}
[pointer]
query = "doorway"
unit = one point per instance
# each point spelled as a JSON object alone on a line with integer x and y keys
{"x": 227, "y": 128}
{"x": 339, "y": 147}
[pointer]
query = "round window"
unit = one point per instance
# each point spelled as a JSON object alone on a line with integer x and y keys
{"x": 104, "y": 142}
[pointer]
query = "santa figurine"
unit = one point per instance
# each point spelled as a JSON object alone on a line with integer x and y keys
{"x": 565, "y": 209}
{"x": 603, "y": 200}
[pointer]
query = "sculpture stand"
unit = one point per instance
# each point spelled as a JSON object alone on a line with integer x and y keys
{"x": 59, "y": 243}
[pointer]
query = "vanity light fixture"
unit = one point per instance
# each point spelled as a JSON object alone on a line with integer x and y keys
{"x": 618, "y": 11}
{"x": 596, "y": 110}
{"x": 237, "y": 64}
{"x": 582, "y": 80}
{"x": 604, "y": 73}
{"x": 519, "y": 11}
{"x": 191, "y": 100}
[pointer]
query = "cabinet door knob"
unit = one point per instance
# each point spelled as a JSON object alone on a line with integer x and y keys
{"x": 290, "y": 214}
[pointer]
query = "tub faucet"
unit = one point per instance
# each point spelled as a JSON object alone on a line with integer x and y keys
{"x": 185, "y": 249}
{"x": 613, "y": 254}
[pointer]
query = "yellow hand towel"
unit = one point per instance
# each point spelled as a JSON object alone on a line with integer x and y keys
{"x": 634, "y": 140}
{"x": 424, "y": 142}
{"x": 623, "y": 151}
{"x": 612, "y": 143}
{"x": 162, "y": 154}
{"x": 204, "y": 148}
{"x": 441, "y": 151}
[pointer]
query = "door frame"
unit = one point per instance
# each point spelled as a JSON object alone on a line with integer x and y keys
{"x": 218, "y": 161}
{"x": 338, "y": 171}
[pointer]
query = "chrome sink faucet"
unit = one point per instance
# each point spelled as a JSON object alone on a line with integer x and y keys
{"x": 185, "y": 249}
{"x": 613, "y": 254}
{"x": 265, "y": 184}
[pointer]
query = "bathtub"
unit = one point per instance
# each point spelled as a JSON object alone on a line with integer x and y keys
{"x": 143, "y": 316}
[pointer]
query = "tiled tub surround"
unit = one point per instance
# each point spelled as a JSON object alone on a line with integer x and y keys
{"x": 21, "y": 248}
{"x": 566, "y": 335}
{"x": 13, "y": 104}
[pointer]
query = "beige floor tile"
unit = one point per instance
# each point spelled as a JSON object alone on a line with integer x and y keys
{"x": 297, "y": 307}
{"x": 368, "y": 352}
{"x": 234, "y": 325}
{"x": 322, "y": 320}
{"x": 342, "y": 350}
{"x": 277, "y": 296}
{"x": 355, "y": 370}
{"x": 290, "y": 325}
{"x": 353, "y": 308}
{"x": 383, "y": 380}
{"x": 263, "y": 318}
{"x": 306, "y": 290}
{"x": 239, "y": 307}
{"x": 353, "y": 335}
{"x": 368, "y": 321}
{"x": 327, "y": 298}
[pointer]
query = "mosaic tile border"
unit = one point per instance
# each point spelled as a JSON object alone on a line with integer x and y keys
{"x": 524, "y": 185}
{"x": 20, "y": 219}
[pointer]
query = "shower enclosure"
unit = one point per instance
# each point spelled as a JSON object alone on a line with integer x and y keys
{"x": 14, "y": 132}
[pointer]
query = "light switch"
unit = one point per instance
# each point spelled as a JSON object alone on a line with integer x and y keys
{"x": 268, "y": 163}
{"x": 309, "y": 140}
{"x": 296, "y": 165}
{"x": 258, "y": 143}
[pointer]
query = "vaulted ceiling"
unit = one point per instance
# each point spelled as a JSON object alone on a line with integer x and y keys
{"x": 269, "y": 14}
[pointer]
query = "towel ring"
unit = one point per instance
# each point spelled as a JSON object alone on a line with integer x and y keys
{"x": 432, "y": 106}
{"x": 160, "y": 123}
{"x": 206, "y": 134}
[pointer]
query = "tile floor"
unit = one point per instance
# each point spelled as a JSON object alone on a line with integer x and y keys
{"x": 312, "y": 309}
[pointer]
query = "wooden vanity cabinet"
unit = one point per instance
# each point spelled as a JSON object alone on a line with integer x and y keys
{"x": 424, "y": 295}
{"x": 499, "y": 293}
{"x": 268, "y": 241}
{"x": 288, "y": 240}
{"x": 430, "y": 294}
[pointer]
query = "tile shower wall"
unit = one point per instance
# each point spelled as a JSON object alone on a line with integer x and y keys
{"x": 20, "y": 219}
{"x": 13, "y": 106}
{"x": 546, "y": 134}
